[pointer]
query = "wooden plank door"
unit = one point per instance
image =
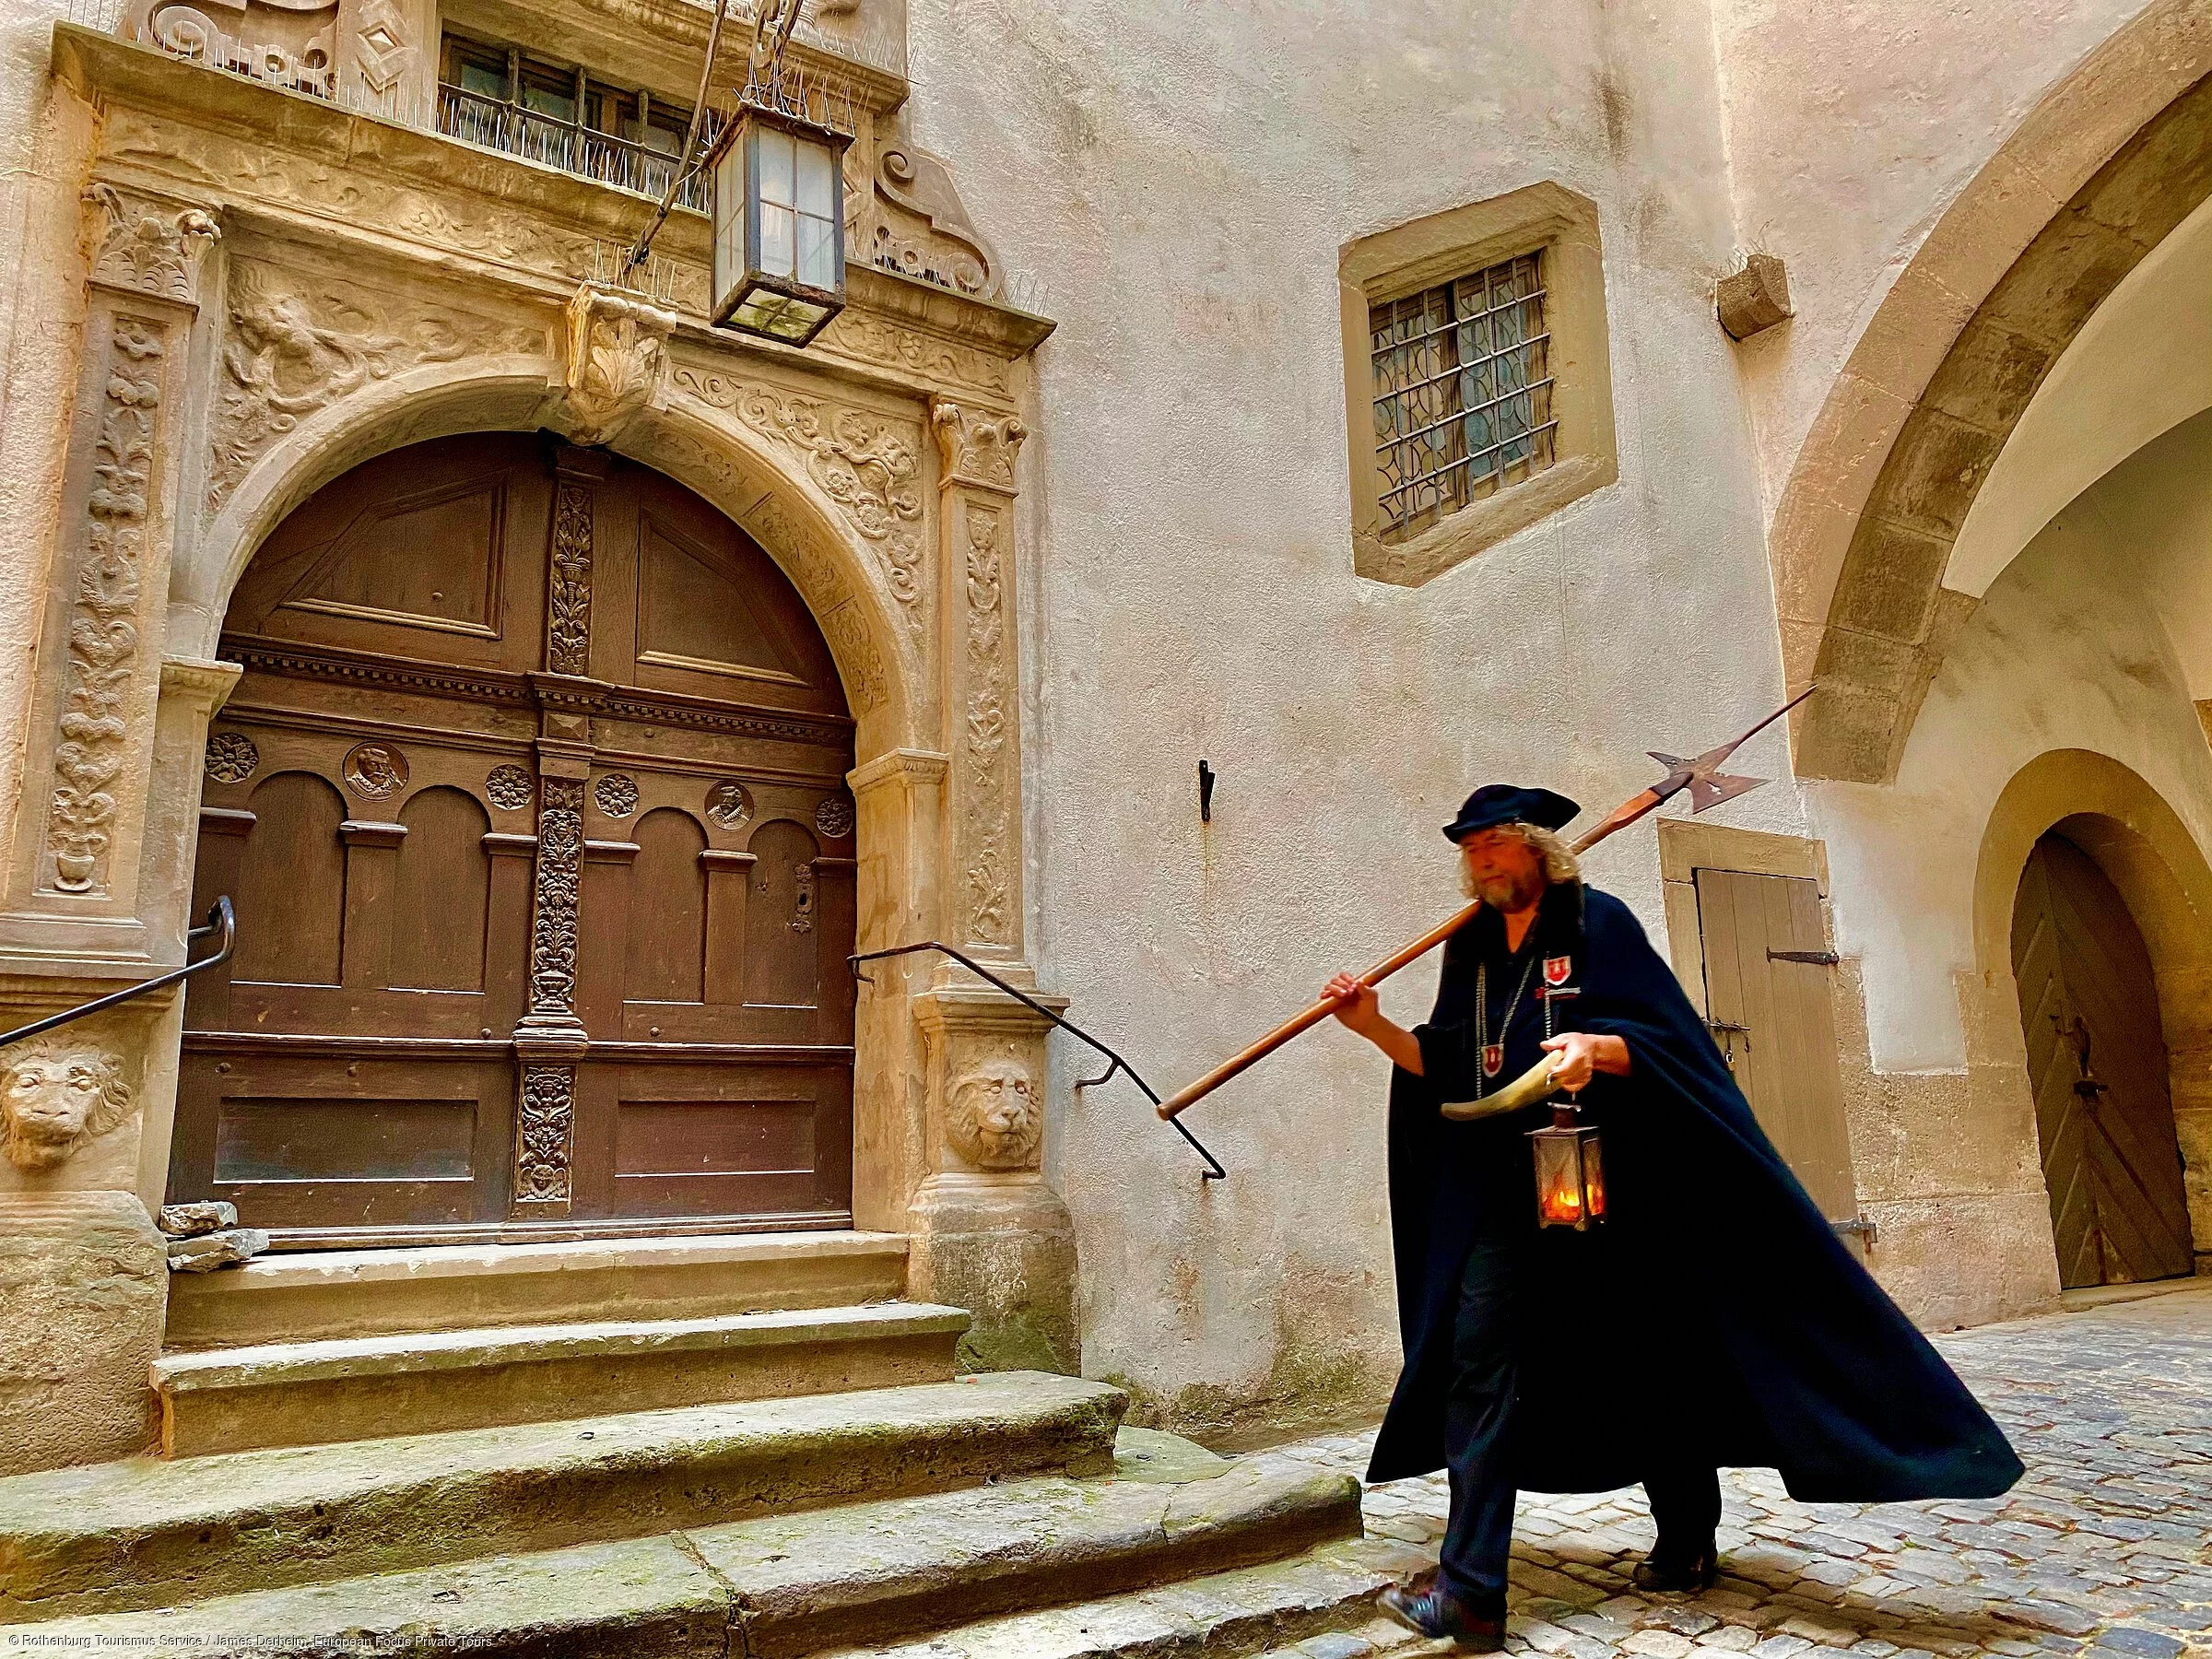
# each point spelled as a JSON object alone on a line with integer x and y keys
{"x": 2098, "y": 1064}
{"x": 1767, "y": 996}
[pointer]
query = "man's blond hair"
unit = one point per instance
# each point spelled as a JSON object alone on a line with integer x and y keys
{"x": 1560, "y": 861}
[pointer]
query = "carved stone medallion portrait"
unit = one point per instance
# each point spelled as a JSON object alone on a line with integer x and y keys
{"x": 728, "y": 804}
{"x": 510, "y": 788}
{"x": 231, "y": 757}
{"x": 833, "y": 818}
{"x": 617, "y": 794}
{"x": 375, "y": 770}
{"x": 54, "y": 1096}
{"x": 997, "y": 1116}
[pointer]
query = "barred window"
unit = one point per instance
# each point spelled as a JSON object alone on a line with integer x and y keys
{"x": 1462, "y": 393}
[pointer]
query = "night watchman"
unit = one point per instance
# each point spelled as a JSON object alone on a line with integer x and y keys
{"x": 1714, "y": 1319}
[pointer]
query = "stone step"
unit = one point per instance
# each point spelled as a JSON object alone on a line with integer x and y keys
{"x": 778, "y": 1587}
{"x": 148, "y": 1533}
{"x": 325, "y": 1295}
{"x": 299, "y": 1394}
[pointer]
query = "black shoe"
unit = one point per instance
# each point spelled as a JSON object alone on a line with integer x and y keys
{"x": 1671, "y": 1574}
{"x": 1436, "y": 1612}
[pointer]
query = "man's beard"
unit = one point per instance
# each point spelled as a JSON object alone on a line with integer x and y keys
{"x": 1505, "y": 892}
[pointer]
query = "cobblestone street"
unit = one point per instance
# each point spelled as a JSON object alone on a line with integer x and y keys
{"x": 2103, "y": 1549}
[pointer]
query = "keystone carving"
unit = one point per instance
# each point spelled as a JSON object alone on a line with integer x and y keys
{"x": 975, "y": 449}
{"x": 618, "y": 354}
{"x": 997, "y": 1121}
{"x": 150, "y": 247}
{"x": 54, "y": 1096}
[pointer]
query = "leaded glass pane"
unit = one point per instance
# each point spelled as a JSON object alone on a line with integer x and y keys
{"x": 1463, "y": 393}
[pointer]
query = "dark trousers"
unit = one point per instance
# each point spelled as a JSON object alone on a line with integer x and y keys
{"x": 1684, "y": 1500}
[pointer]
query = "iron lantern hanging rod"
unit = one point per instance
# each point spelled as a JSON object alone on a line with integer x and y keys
{"x": 1213, "y": 1171}
{"x": 220, "y": 920}
{"x": 690, "y": 164}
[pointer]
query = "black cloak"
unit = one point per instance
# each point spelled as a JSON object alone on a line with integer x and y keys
{"x": 1714, "y": 1317}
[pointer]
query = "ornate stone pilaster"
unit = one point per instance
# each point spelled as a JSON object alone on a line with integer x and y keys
{"x": 975, "y": 486}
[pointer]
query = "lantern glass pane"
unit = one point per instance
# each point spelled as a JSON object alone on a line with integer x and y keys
{"x": 778, "y": 164}
{"x": 729, "y": 220}
{"x": 760, "y": 309}
{"x": 817, "y": 250}
{"x": 817, "y": 191}
{"x": 779, "y": 235}
{"x": 1593, "y": 1178}
{"x": 795, "y": 321}
{"x": 1559, "y": 1180}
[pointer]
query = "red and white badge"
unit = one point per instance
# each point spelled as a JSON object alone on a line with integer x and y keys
{"x": 1493, "y": 1059}
{"x": 1557, "y": 969}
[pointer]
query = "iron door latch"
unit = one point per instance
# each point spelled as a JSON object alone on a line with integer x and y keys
{"x": 1819, "y": 959}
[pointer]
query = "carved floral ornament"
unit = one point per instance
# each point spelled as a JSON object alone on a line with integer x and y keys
{"x": 985, "y": 816}
{"x": 151, "y": 247}
{"x": 975, "y": 449}
{"x": 866, "y": 464}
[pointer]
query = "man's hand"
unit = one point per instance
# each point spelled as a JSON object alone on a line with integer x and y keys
{"x": 1358, "y": 1009}
{"x": 1581, "y": 1054}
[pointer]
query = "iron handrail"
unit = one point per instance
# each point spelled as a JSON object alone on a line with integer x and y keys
{"x": 1213, "y": 1171}
{"x": 221, "y": 919}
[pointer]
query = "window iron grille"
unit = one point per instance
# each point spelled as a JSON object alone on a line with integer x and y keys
{"x": 1463, "y": 393}
{"x": 517, "y": 130}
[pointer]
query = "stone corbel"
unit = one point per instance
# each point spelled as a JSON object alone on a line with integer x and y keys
{"x": 921, "y": 229}
{"x": 617, "y": 361}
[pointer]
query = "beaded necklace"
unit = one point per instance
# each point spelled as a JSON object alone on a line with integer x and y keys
{"x": 1493, "y": 1054}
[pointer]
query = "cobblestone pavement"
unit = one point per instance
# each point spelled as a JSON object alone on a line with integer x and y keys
{"x": 2103, "y": 1550}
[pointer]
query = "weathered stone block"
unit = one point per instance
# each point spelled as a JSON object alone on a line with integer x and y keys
{"x": 1753, "y": 298}
{"x": 210, "y": 1250}
{"x": 190, "y": 1220}
{"x": 1890, "y": 581}
{"x": 85, "y": 1290}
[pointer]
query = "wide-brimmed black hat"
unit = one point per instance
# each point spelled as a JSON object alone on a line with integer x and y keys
{"x": 1496, "y": 803}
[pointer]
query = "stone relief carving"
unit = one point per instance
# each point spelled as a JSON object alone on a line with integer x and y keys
{"x": 617, "y": 794}
{"x": 996, "y": 1120}
{"x": 553, "y": 917}
{"x": 569, "y": 597}
{"x": 865, "y": 464}
{"x": 295, "y": 345}
{"x": 153, "y": 248}
{"x": 833, "y": 818}
{"x": 381, "y": 48}
{"x": 288, "y": 43}
{"x": 617, "y": 352}
{"x": 231, "y": 757}
{"x": 989, "y": 901}
{"x": 872, "y": 339}
{"x": 56, "y": 1094}
{"x": 101, "y": 646}
{"x": 543, "y": 1135}
{"x": 976, "y": 449}
{"x": 375, "y": 771}
{"x": 922, "y": 229}
{"x": 510, "y": 788}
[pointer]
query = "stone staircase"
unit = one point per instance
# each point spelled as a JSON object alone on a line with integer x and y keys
{"x": 728, "y": 1447}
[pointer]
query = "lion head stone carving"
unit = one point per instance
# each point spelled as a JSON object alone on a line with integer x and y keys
{"x": 54, "y": 1097}
{"x": 997, "y": 1116}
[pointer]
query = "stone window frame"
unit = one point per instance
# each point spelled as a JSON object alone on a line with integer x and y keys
{"x": 1545, "y": 219}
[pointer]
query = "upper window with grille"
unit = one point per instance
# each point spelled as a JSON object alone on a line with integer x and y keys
{"x": 1479, "y": 394}
{"x": 1463, "y": 393}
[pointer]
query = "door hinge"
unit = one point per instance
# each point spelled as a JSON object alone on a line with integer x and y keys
{"x": 1857, "y": 1224}
{"x": 1819, "y": 959}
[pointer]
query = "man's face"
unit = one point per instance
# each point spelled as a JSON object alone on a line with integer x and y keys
{"x": 1503, "y": 869}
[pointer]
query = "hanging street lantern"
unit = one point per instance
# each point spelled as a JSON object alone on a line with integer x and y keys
{"x": 779, "y": 223}
{"x": 1571, "y": 1180}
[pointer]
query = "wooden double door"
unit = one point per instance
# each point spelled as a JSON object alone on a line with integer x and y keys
{"x": 2097, "y": 1060}
{"x": 532, "y": 803}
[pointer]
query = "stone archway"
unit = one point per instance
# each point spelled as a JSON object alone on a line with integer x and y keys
{"x": 2111, "y": 161}
{"x": 2144, "y": 849}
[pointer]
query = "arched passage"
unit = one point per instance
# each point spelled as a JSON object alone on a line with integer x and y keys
{"x": 2138, "y": 845}
{"x": 2106, "y": 166}
{"x": 555, "y": 693}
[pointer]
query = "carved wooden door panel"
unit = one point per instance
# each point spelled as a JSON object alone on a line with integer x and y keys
{"x": 2097, "y": 1060}
{"x": 532, "y": 803}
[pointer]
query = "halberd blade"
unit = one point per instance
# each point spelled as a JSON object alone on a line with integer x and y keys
{"x": 1710, "y": 789}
